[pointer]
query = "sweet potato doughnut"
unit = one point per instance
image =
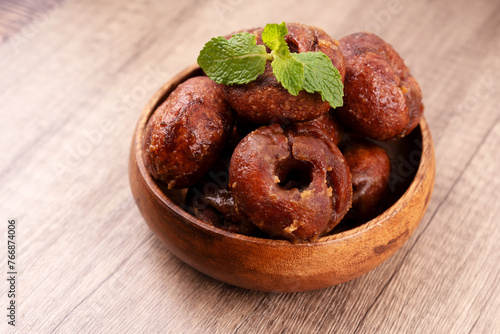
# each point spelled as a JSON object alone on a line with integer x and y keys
{"x": 381, "y": 98}
{"x": 329, "y": 125}
{"x": 265, "y": 101}
{"x": 186, "y": 134}
{"x": 210, "y": 200}
{"x": 290, "y": 183}
{"x": 370, "y": 169}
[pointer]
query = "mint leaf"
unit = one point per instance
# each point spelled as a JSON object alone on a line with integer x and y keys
{"x": 239, "y": 60}
{"x": 273, "y": 36}
{"x": 289, "y": 72}
{"x": 235, "y": 61}
{"x": 321, "y": 76}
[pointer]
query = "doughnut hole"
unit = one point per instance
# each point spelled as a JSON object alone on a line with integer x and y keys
{"x": 294, "y": 173}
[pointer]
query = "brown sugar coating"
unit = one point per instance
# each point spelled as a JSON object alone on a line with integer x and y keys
{"x": 329, "y": 125}
{"x": 381, "y": 98}
{"x": 370, "y": 169}
{"x": 290, "y": 183}
{"x": 210, "y": 200}
{"x": 265, "y": 100}
{"x": 186, "y": 134}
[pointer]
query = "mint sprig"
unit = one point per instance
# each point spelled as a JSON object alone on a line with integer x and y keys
{"x": 239, "y": 60}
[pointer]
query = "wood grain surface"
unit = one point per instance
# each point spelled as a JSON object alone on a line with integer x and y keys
{"x": 71, "y": 91}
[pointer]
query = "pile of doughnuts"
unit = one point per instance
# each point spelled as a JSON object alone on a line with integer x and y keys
{"x": 261, "y": 162}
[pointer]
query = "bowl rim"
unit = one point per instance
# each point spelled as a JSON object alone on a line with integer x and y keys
{"x": 165, "y": 201}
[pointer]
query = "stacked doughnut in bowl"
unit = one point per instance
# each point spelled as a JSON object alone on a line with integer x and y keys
{"x": 269, "y": 191}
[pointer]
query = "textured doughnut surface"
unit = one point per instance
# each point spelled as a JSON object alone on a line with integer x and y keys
{"x": 329, "y": 125}
{"x": 185, "y": 135}
{"x": 381, "y": 98}
{"x": 265, "y": 101}
{"x": 290, "y": 184}
{"x": 211, "y": 200}
{"x": 370, "y": 170}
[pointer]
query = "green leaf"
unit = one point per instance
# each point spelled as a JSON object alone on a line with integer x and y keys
{"x": 239, "y": 60}
{"x": 235, "y": 61}
{"x": 273, "y": 36}
{"x": 289, "y": 72}
{"x": 321, "y": 76}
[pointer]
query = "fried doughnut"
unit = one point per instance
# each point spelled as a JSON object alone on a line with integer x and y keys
{"x": 329, "y": 125}
{"x": 265, "y": 101}
{"x": 290, "y": 183}
{"x": 186, "y": 134}
{"x": 370, "y": 170}
{"x": 210, "y": 200}
{"x": 381, "y": 98}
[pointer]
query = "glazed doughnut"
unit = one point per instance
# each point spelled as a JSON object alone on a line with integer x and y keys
{"x": 382, "y": 100}
{"x": 290, "y": 183}
{"x": 370, "y": 170}
{"x": 186, "y": 134}
{"x": 265, "y": 101}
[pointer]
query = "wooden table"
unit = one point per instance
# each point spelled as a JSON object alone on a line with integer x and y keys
{"x": 74, "y": 78}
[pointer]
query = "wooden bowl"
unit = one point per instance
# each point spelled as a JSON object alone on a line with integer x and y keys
{"x": 278, "y": 265}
